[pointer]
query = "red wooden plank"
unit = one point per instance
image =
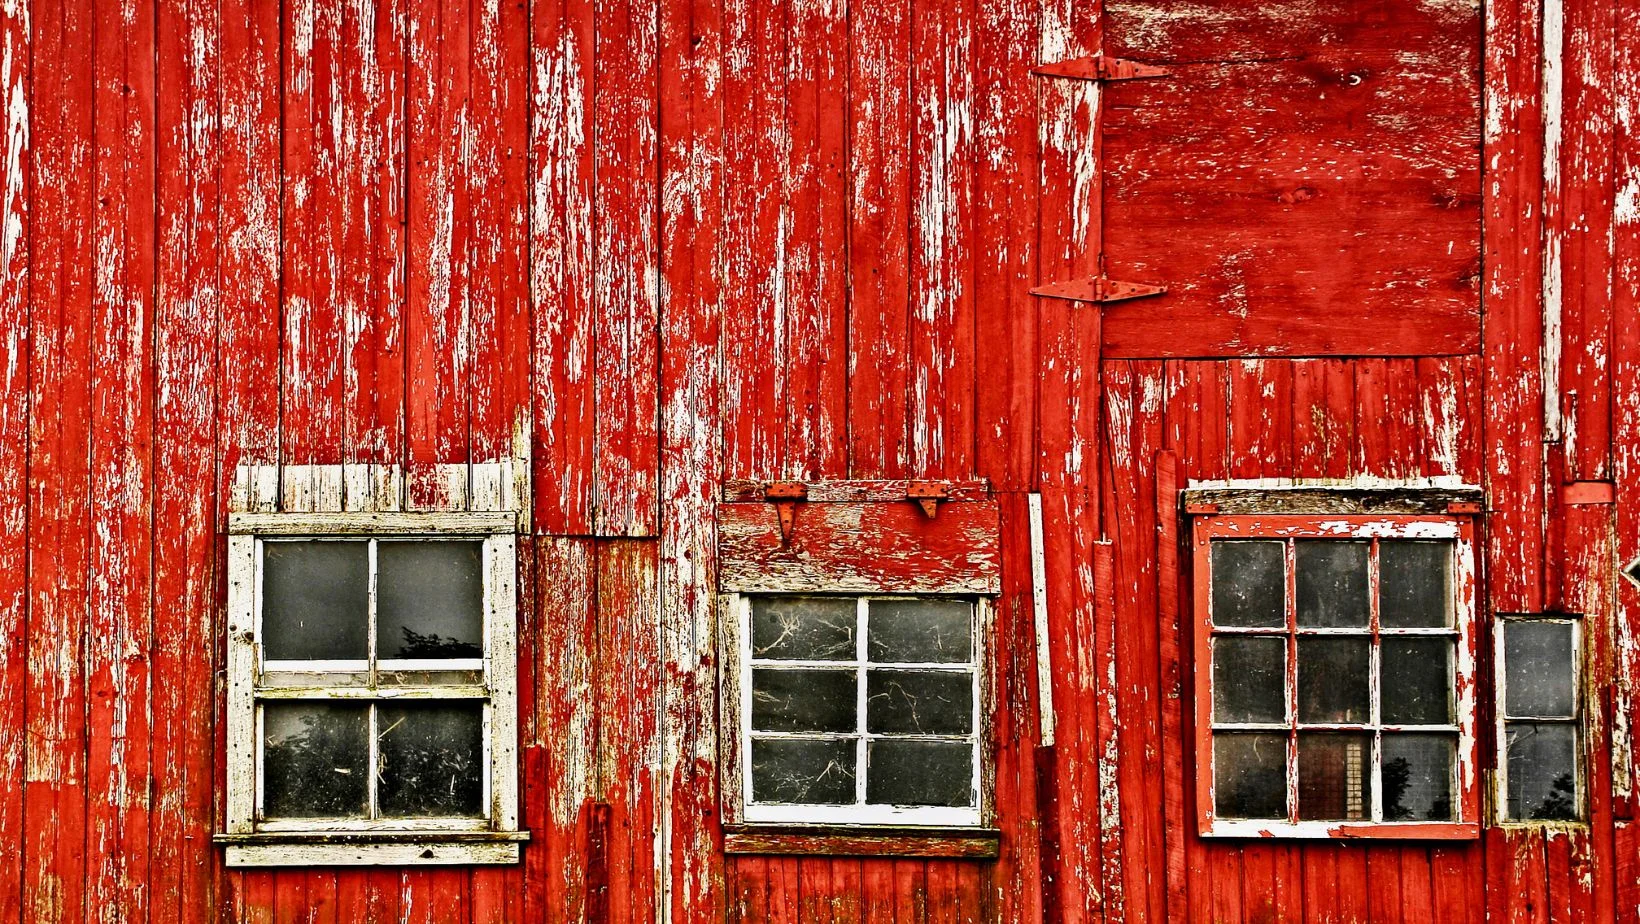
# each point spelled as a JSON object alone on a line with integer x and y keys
{"x": 16, "y": 44}
{"x": 1171, "y": 653}
{"x": 1016, "y": 880}
{"x": 1625, "y": 373}
{"x": 1372, "y": 205}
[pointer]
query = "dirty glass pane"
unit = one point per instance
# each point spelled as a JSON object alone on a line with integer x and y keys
{"x": 432, "y": 759}
{"x": 315, "y": 601}
{"x": 806, "y": 771}
{"x": 803, "y": 700}
{"x": 930, "y": 631}
{"x": 1249, "y": 675}
{"x": 430, "y": 599}
{"x": 919, "y": 702}
{"x": 1417, "y": 777}
{"x": 1537, "y": 665}
{"x": 1542, "y": 771}
{"x": 1334, "y": 677}
{"x": 1334, "y": 777}
{"x": 1332, "y": 583}
{"x": 1249, "y": 584}
{"x": 1414, "y": 584}
{"x": 1249, "y": 775}
{"x": 920, "y": 773}
{"x": 1417, "y": 681}
{"x": 804, "y": 628}
{"x": 314, "y": 757}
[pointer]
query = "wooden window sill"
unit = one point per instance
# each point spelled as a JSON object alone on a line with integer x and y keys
{"x": 862, "y": 841}
{"x": 372, "y": 848}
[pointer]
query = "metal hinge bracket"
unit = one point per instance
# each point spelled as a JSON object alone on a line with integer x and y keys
{"x": 1097, "y": 289}
{"x": 785, "y": 496}
{"x": 1099, "y": 67}
{"x": 928, "y": 495}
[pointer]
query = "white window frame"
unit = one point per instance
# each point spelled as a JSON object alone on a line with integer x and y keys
{"x": 1500, "y": 684}
{"x": 254, "y": 841}
{"x": 861, "y": 814}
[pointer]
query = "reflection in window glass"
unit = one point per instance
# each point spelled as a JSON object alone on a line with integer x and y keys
{"x": 314, "y": 758}
{"x": 1540, "y": 719}
{"x": 429, "y": 600}
{"x": 1417, "y": 774}
{"x": 431, "y": 759}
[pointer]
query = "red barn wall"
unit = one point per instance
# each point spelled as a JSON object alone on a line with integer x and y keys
{"x": 653, "y": 246}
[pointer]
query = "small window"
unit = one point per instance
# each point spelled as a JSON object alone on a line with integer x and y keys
{"x": 859, "y": 710}
{"x": 1539, "y": 770}
{"x": 1334, "y": 671}
{"x": 371, "y": 674}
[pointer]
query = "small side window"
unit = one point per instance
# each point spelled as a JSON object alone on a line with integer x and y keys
{"x": 1540, "y": 734}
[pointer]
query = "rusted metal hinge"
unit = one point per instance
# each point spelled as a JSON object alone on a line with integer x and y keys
{"x": 928, "y": 495}
{"x": 1099, "y": 67}
{"x": 785, "y": 496}
{"x": 1097, "y": 289}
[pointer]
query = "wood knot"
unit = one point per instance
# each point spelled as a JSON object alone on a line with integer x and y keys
{"x": 1298, "y": 194}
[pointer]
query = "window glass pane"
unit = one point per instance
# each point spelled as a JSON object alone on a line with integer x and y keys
{"x": 1249, "y": 775}
{"x": 1417, "y": 771}
{"x": 929, "y": 631}
{"x": 1537, "y": 665}
{"x": 1249, "y": 586}
{"x": 1417, "y": 680}
{"x": 803, "y": 700}
{"x": 1249, "y": 679}
{"x": 432, "y": 759}
{"x": 1333, "y": 679}
{"x": 920, "y": 773}
{"x": 805, "y": 771}
{"x": 1331, "y": 583}
{"x": 314, "y": 757}
{"x": 1414, "y": 583}
{"x": 315, "y": 597}
{"x": 804, "y": 628}
{"x": 919, "y": 702}
{"x": 1334, "y": 777}
{"x": 430, "y": 599}
{"x": 1542, "y": 771}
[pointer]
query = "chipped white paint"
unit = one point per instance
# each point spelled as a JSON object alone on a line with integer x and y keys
{"x": 1554, "y": 26}
{"x": 1044, "y": 639}
{"x": 1362, "y": 482}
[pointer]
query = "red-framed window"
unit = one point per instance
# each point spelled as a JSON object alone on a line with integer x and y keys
{"x": 1335, "y": 676}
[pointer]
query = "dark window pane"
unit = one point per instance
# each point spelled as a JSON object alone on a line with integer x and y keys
{"x": 797, "y": 770}
{"x": 803, "y": 700}
{"x": 1537, "y": 665}
{"x": 315, "y": 599}
{"x": 1542, "y": 771}
{"x": 1334, "y": 777}
{"x": 930, "y": 631}
{"x": 919, "y": 702}
{"x": 314, "y": 758}
{"x": 432, "y": 759}
{"x": 1249, "y": 584}
{"x": 920, "y": 773}
{"x": 1417, "y": 681}
{"x": 1334, "y": 677}
{"x": 1249, "y": 679}
{"x": 1249, "y": 775}
{"x": 1331, "y": 583}
{"x": 1414, "y": 583}
{"x": 430, "y": 600}
{"x": 804, "y": 628}
{"x": 1417, "y": 771}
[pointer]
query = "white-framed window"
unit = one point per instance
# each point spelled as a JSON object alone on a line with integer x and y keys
{"x": 1335, "y": 675}
{"x": 1540, "y": 740}
{"x": 858, "y": 709}
{"x": 371, "y": 689}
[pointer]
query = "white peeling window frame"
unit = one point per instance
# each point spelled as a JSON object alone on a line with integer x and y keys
{"x": 1286, "y": 528}
{"x": 252, "y": 840}
{"x": 1507, "y": 718}
{"x": 744, "y": 807}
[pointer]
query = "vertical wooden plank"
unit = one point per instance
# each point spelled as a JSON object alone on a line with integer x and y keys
{"x": 1017, "y": 880}
{"x": 561, "y": 263}
{"x": 16, "y": 230}
{"x": 62, "y": 283}
{"x": 1177, "y": 756}
{"x": 879, "y": 175}
{"x": 625, "y": 297}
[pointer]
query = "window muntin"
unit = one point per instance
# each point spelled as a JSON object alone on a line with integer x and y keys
{"x": 1539, "y": 718}
{"x": 860, "y": 710}
{"x": 1334, "y": 660}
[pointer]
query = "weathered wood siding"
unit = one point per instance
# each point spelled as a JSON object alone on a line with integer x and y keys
{"x": 645, "y": 248}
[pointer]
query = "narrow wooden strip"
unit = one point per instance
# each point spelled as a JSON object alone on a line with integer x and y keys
{"x": 860, "y": 845}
